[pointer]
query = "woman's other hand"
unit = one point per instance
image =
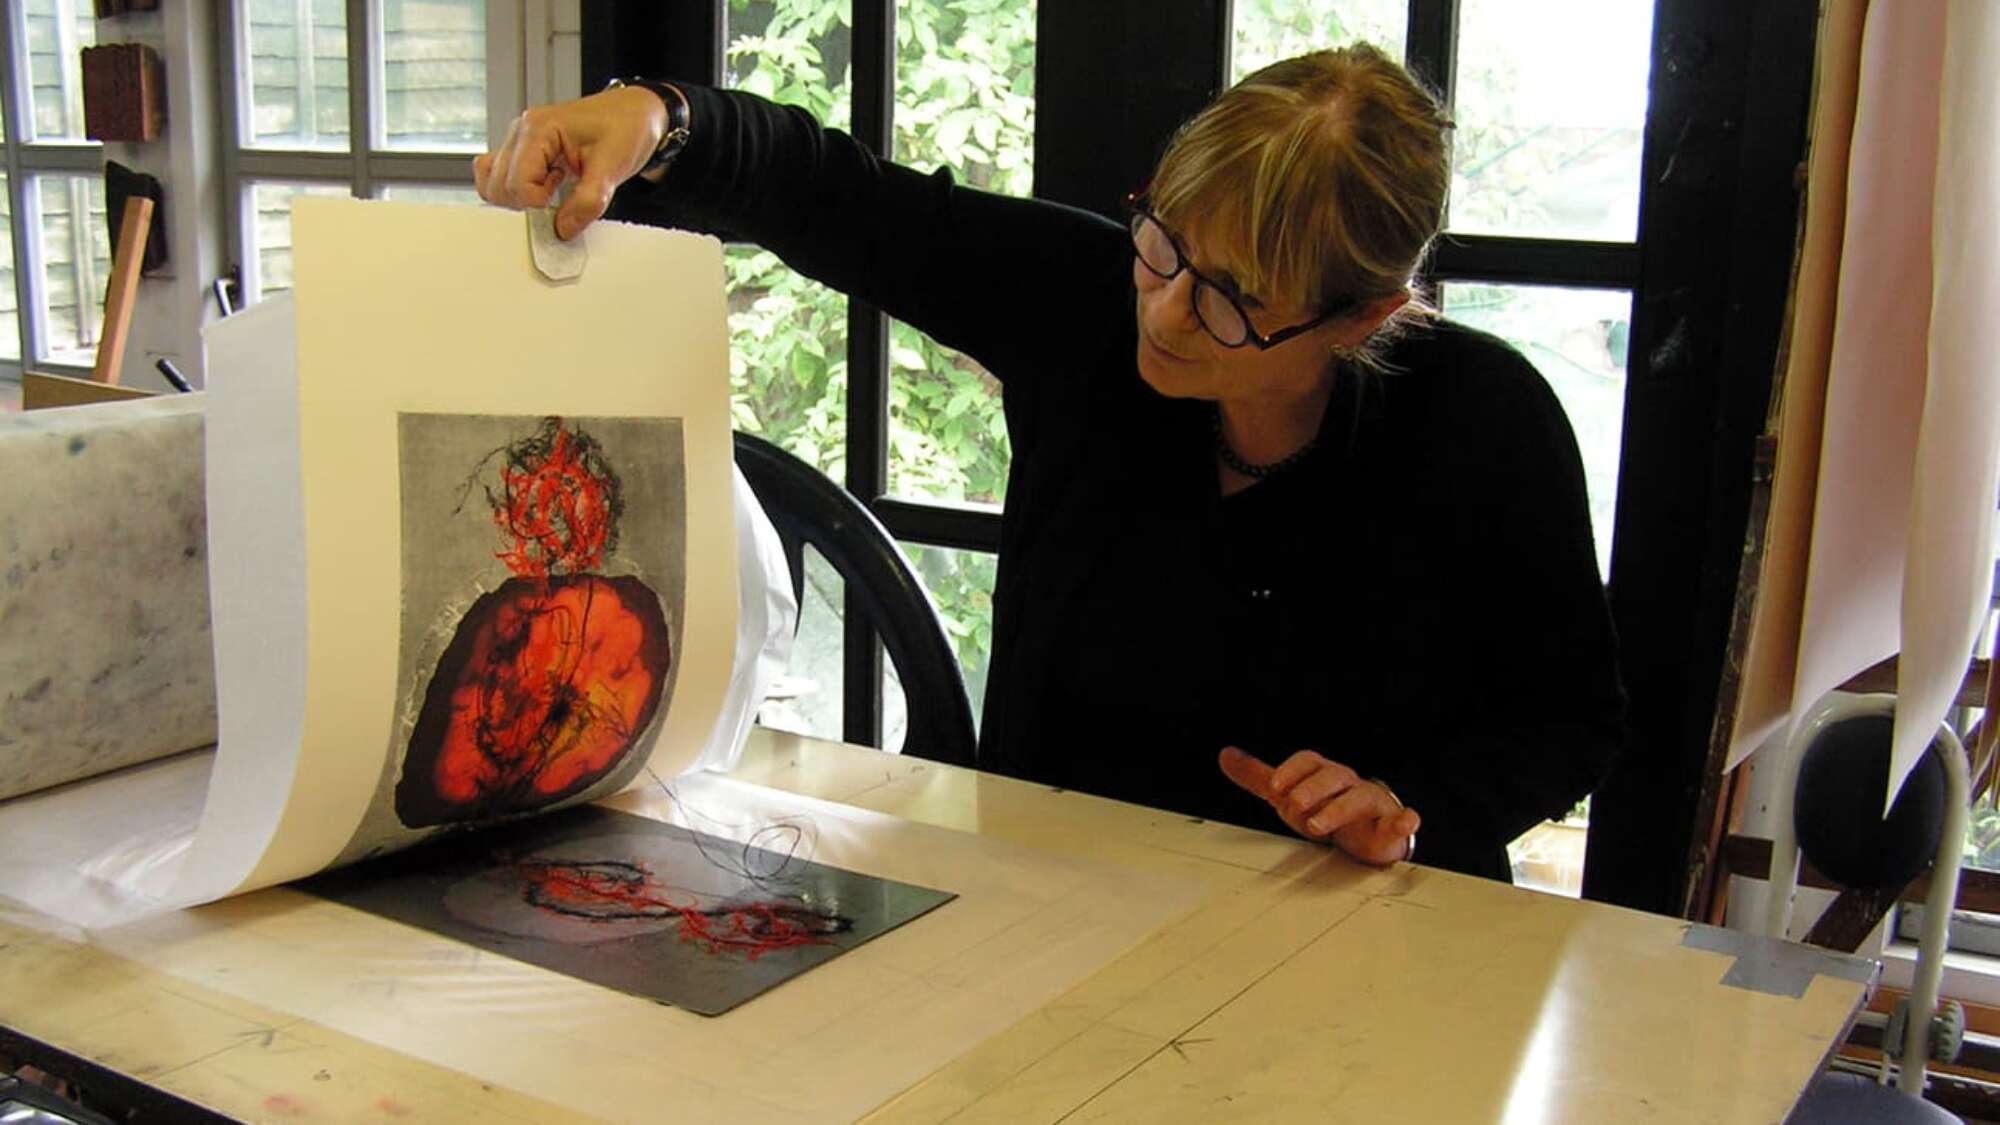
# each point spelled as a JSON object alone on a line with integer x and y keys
{"x": 599, "y": 141}
{"x": 1323, "y": 800}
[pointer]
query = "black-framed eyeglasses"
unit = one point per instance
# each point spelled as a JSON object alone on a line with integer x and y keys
{"x": 1218, "y": 310}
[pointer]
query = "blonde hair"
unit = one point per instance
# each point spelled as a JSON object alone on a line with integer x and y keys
{"x": 1319, "y": 179}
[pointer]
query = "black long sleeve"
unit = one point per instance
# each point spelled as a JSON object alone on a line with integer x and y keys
{"x": 993, "y": 276}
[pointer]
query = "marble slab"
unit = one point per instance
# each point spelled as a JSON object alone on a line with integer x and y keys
{"x": 105, "y": 656}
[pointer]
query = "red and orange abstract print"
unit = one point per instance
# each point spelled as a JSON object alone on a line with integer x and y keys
{"x": 548, "y": 681}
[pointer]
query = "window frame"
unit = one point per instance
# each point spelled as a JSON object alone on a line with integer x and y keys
{"x": 692, "y": 35}
{"x": 368, "y": 165}
{"x": 25, "y": 160}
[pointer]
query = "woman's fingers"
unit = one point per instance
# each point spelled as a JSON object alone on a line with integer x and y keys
{"x": 1379, "y": 840}
{"x": 491, "y": 172}
{"x": 1329, "y": 782}
{"x": 533, "y": 165}
{"x": 1257, "y": 778}
{"x": 599, "y": 142}
{"x": 1354, "y": 803}
{"x": 1247, "y": 772}
{"x": 1322, "y": 799}
{"x": 1295, "y": 769}
{"x": 587, "y": 203}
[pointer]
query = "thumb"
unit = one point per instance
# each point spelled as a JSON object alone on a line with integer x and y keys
{"x": 1249, "y": 772}
{"x": 1406, "y": 822}
{"x": 1379, "y": 840}
{"x": 586, "y": 204}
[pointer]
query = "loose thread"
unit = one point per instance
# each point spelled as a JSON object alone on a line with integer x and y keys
{"x": 790, "y": 840}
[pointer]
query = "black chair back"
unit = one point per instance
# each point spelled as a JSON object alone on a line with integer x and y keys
{"x": 807, "y": 508}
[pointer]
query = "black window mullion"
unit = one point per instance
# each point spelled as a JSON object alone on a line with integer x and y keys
{"x": 696, "y": 51}
{"x": 873, "y": 70}
{"x": 1726, "y": 123}
{"x": 1535, "y": 261}
{"x": 231, "y": 56}
{"x": 360, "y": 126}
{"x": 1430, "y": 51}
{"x": 1430, "y": 48}
{"x": 966, "y": 527}
{"x": 652, "y": 40}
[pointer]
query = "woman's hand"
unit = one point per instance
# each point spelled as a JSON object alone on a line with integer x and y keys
{"x": 599, "y": 141}
{"x": 1324, "y": 800}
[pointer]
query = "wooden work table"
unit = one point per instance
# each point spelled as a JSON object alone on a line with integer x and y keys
{"x": 1296, "y": 987}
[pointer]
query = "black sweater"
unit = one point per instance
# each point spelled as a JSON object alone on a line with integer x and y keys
{"x": 1418, "y": 599}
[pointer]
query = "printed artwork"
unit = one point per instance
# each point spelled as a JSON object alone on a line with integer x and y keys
{"x": 542, "y": 575}
{"x": 650, "y": 909}
{"x": 549, "y": 680}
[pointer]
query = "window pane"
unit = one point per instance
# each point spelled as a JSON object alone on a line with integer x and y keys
{"x": 947, "y": 434}
{"x": 56, "y": 31}
{"x": 965, "y": 100}
{"x": 10, "y": 312}
{"x": 1982, "y": 827}
{"x": 787, "y": 358}
{"x": 788, "y": 335}
{"x": 965, "y": 91}
{"x": 1549, "y": 856}
{"x": 1270, "y": 30}
{"x": 792, "y": 53}
{"x": 429, "y": 193}
{"x": 433, "y": 63}
{"x": 1576, "y": 338}
{"x": 1982, "y": 835}
{"x": 271, "y": 233}
{"x": 297, "y": 74}
{"x": 961, "y": 582}
{"x": 76, "y": 263}
{"x": 1550, "y": 114}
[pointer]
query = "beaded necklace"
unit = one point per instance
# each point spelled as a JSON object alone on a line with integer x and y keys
{"x": 1248, "y": 469}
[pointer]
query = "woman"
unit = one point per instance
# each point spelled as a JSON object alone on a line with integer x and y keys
{"x": 1263, "y": 507}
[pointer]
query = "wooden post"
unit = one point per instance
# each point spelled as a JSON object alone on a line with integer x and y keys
{"x": 125, "y": 266}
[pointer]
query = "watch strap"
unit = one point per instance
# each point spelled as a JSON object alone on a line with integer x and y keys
{"x": 679, "y": 121}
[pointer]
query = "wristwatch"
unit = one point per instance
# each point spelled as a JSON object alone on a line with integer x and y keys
{"x": 679, "y": 121}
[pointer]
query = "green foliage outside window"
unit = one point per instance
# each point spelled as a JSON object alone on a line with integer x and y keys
{"x": 1269, "y": 30}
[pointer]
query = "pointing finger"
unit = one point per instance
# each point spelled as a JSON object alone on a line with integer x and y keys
{"x": 1250, "y": 773}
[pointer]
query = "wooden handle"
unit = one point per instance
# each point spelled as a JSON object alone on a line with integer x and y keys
{"x": 125, "y": 267}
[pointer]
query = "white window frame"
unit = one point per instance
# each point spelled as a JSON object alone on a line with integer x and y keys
{"x": 367, "y": 167}
{"x": 24, "y": 160}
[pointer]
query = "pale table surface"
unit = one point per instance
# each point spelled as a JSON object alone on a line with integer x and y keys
{"x": 1300, "y": 988}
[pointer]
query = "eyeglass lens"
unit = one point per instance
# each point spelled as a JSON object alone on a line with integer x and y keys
{"x": 1216, "y": 311}
{"x": 1155, "y": 249}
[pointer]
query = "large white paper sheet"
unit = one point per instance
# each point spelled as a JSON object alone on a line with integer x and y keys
{"x": 1947, "y": 585}
{"x": 430, "y": 354}
{"x": 1875, "y": 386}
